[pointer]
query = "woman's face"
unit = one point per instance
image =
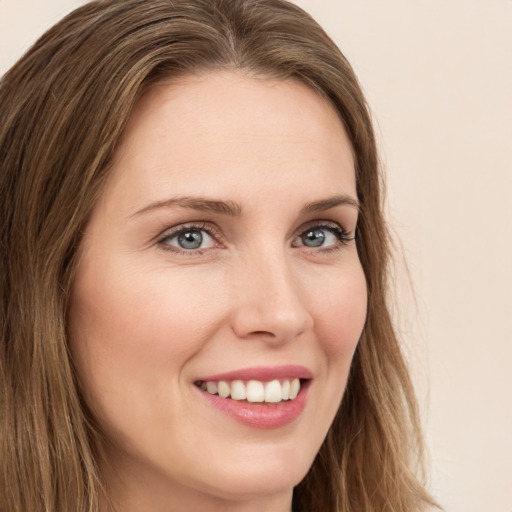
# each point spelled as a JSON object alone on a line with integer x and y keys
{"x": 219, "y": 259}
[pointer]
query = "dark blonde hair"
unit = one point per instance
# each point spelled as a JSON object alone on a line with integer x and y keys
{"x": 63, "y": 108}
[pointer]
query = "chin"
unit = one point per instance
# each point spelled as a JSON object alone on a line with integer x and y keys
{"x": 251, "y": 487}
{"x": 258, "y": 478}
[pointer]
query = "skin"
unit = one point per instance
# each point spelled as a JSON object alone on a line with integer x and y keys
{"x": 147, "y": 318}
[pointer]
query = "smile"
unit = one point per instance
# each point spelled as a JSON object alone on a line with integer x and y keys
{"x": 254, "y": 391}
{"x": 258, "y": 397}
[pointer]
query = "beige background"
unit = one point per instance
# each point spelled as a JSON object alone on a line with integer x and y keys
{"x": 438, "y": 75}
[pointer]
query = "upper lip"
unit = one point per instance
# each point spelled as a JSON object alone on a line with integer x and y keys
{"x": 262, "y": 373}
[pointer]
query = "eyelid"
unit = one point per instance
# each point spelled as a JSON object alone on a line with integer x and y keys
{"x": 174, "y": 231}
{"x": 327, "y": 224}
{"x": 343, "y": 235}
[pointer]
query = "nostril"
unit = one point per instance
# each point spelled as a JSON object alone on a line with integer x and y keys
{"x": 262, "y": 333}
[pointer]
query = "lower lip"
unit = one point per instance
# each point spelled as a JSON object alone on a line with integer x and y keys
{"x": 260, "y": 415}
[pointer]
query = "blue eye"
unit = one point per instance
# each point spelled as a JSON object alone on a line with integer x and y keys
{"x": 322, "y": 236}
{"x": 189, "y": 238}
{"x": 314, "y": 237}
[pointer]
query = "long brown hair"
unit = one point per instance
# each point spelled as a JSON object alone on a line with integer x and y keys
{"x": 63, "y": 109}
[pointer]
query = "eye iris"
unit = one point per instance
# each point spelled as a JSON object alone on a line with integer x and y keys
{"x": 313, "y": 238}
{"x": 190, "y": 239}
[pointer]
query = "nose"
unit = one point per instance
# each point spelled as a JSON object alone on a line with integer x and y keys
{"x": 269, "y": 302}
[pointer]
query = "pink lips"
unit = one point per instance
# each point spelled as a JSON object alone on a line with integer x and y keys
{"x": 263, "y": 373}
{"x": 261, "y": 415}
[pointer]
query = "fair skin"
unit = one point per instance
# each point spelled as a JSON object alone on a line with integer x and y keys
{"x": 223, "y": 241}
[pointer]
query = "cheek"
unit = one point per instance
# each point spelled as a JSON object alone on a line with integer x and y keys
{"x": 131, "y": 331}
{"x": 340, "y": 314}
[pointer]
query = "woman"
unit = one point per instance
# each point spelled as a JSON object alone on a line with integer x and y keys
{"x": 190, "y": 318}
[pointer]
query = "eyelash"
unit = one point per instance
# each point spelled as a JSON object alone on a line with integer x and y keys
{"x": 344, "y": 237}
{"x": 212, "y": 232}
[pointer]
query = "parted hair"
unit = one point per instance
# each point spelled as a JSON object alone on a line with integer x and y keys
{"x": 63, "y": 108}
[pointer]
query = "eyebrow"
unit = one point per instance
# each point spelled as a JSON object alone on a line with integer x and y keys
{"x": 234, "y": 209}
{"x": 331, "y": 202}
{"x": 204, "y": 204}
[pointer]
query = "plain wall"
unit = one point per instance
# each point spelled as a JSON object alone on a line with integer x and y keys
{"x": 438, "y": 76}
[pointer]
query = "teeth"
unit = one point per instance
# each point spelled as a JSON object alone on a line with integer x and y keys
{"x": 285, "y": 390}
{"x": 254, "y": 390}
{"x": 211, "y": 387}
{"x": 273, "y": 391}
{"x": 238, "y": 391}
{"x": 224, "y": 389}
{"x": 294, "y": 388}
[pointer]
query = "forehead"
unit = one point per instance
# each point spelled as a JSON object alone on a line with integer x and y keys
{"x": 202, "y": 131}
